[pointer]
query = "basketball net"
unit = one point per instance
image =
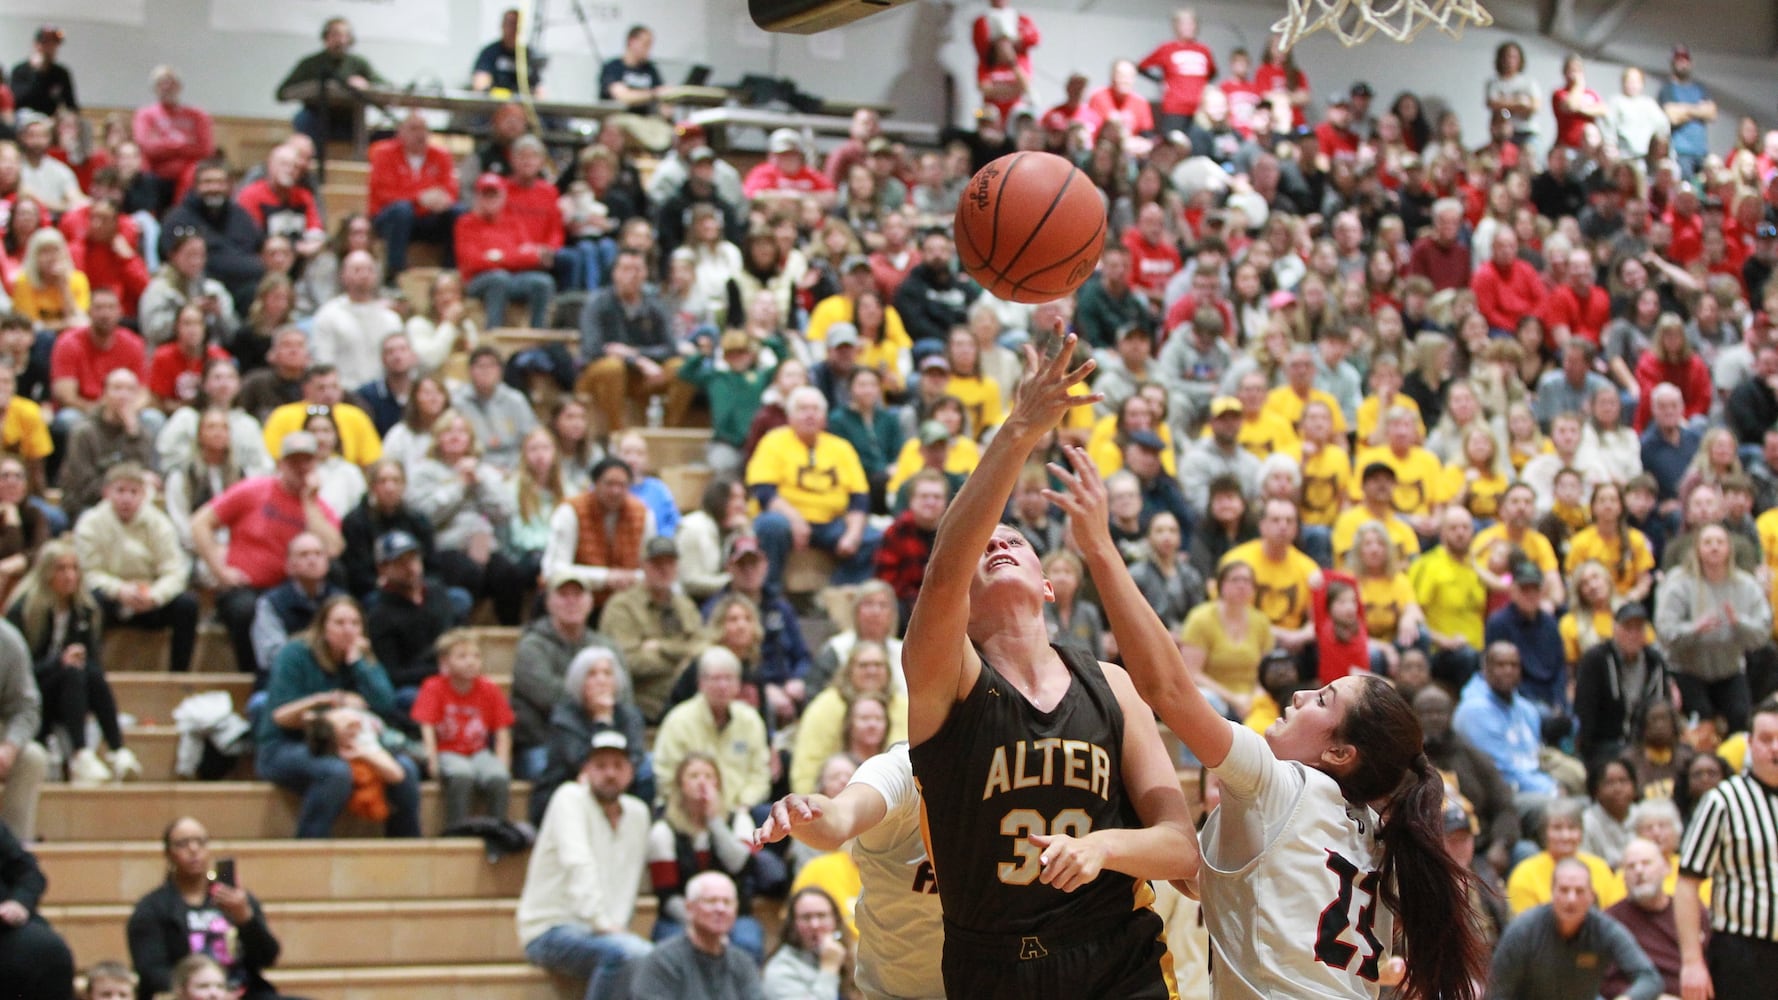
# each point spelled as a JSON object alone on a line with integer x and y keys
{"x": 1355, "y": 21}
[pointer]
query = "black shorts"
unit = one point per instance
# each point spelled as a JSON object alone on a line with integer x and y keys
{"x": 1131, "y": 963}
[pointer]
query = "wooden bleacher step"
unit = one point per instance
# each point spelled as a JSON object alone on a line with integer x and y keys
{"x": 151, "y": 697}
{"x": 233, "y": 810}
{"x": 292, "y": 871}
{"x": 509, "y": 981}
{"x": 670, "y": 446}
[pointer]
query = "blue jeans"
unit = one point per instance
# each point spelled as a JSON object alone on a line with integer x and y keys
{"x": 773, "y": 530}
{"x": 528, "y": 763}
{"x": 596, "y": 257}
{"x": 325, "y": 783}
{"x": 1316, "y": 541}
{"x": 400, "y": 223}
{"x": 494, "y": 288}
{"x": 575, "y": 951}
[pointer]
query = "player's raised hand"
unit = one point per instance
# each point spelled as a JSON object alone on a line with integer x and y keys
{"x": 1068, "y": 862}
{"x": 1045, "y": 396}
{"x": 1083, "y": 498}
{"x": 788, "y": 814}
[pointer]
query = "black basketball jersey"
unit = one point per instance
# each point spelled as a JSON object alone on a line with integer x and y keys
{"x": 999, "y": 771}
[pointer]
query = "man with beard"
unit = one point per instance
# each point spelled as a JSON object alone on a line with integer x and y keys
{"x": 231, "y": 238}
{"x": 932, "y": 299}
{"x": 1690, "y": 111}
{"x": 1560, "y": 950}
{"x": 1647, "y": 913}
{"x": 1472, "y": 774}
{"x": 701, "y": 187}
{"x": 335, "y": 68}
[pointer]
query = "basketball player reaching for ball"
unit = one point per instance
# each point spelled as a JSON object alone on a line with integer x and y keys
{"x": 900, "y": 926}
{"x": 1328, "y": 841}
{"x": 1049, "y": 797}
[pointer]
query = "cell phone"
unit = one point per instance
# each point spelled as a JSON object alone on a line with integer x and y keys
{"x": 225, "y": 872}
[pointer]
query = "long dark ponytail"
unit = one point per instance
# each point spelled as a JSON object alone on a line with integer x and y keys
{"x": 1426, "y": 889}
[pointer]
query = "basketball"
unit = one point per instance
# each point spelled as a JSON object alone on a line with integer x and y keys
{"x": 1030, "y": 227}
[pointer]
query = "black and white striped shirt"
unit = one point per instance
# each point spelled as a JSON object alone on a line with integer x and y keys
{"x": 1733, "y": 840}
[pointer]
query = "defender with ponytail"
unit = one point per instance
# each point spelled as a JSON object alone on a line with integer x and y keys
{"x": 1329, "y": 834}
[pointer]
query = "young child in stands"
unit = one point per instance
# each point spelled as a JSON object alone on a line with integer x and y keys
{"x": 109, "y": 980}
{"x": 352, "y": 735}
{"x": 466, "y": 726}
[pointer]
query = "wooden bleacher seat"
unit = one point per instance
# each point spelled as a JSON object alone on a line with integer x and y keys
{"x": 670, "y": 446}
{"x": 687, "y": 484}
{"x": 129, "y": 650}
{"x": 808, "y": 571}
{"x": 151, "y": 697}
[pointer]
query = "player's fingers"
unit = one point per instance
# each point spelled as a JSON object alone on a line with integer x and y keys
{"x": 1063, "y": 475}
{"x": 1064, "y": 351}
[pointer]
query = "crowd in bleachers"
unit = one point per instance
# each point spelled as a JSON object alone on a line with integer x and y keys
{"x": 1498, "y": 423}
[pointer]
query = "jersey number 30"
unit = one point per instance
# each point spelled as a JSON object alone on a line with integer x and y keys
{"x": 1331, "y": 948}
{"x": 1021, "y": 825}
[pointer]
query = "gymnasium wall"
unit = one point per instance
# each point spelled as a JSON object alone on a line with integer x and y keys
{"x": 902, "y": 56}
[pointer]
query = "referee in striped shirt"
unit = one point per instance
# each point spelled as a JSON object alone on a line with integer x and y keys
{"x": 1733, "y": 840}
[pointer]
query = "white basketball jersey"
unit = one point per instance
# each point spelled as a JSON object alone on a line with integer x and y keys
{"x": 900, "y": 924}
{"x": 1301, "y": 916}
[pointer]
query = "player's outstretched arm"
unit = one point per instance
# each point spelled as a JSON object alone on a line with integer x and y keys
{"x": 940, "y": 664}
{"x": 1150, "y": 654}
{"x": 821, "y": 822}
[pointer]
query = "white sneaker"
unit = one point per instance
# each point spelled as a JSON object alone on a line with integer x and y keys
{"x": 85, "y": 769}
{"x": 124, "y": 765}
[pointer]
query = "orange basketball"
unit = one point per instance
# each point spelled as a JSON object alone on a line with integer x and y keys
{"x": 1030, "y": 227}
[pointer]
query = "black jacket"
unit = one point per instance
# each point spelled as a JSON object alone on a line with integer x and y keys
{"x": 362, "y": 527}
{"x": 931, "y": 303}
{"x": 1600, "y": 703}
{"x": 232, "y": 238}
{"x": 402, "y": 633}
{"x": 159, "y": 938}
{"x": 1752, "y": 409}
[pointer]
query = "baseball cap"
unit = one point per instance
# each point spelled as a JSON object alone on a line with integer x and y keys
{"x": 490, "y": 182}
{"x": 785, "y": 140}
{"x": 1340, "y": 100}
{"x": 1457, "y": 817}
{"x": 841, "y": 334}
{"x": 562, "y": 578}
{"x": 51, "y": 33}
{"x": 126, "y": 470}
{"x": 1223, "y": 405}
{"x": 702, "y": 154}
{"x": 742, "y": 545}
{"x": 932, "y": 432}
{"x": 1680, "y": 51}
{"x": 299, "y": 443}
{"x": 1134, "y": 330}
{"x": 1526, "y": 574}
{"x": 1280, "y": 299}
{"x": 1377, "y": 469}
{"x": 691, "y": 130}
{"x": 1149, "y": 440}
{"x": 856, "y": 262}
{"x": 395, "y": 544}
{"x": 1632, "y": 612}
{"x": 660, "y": 547}
{"x": 608, "y": 739}
{"x": 933, "y": 362}
{"x": 1362, "y": 89}
{"x": 878, "y": 144}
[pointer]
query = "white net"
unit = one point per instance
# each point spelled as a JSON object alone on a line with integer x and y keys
{"x": 1355, "y": 21}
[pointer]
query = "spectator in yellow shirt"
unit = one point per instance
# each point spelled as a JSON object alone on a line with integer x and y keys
{"x": 812, "y": 493}
{"x": 1622, "y": 550}
{"x": 1529, "y": 883}
{"x": 1283, "y": 576}
{"x": 1517, "y": 508}
{"x": 1287, "y": 401}
{"x": 49, "y": 291}
{"x": 1385, "y": 395}
{"x": 979, "y": 393}
{"x": 1419, "y": 475}
{"x": 1262, "y": 432}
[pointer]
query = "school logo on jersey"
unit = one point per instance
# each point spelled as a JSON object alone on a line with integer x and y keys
{"x": 925, "y": 879}
{"x": 1031, "y": 948}
{"x": 1277, "y": 603}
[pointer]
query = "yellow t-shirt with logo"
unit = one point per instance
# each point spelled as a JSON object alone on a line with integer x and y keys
{"x": 1283, "y": 402}
{"x": 1485, "y": 490}
{"x": 1264, "y": 433}
{"x": 1536, "y": 547}
{"x": 1325, "y": 477}
{"x": 1108, "y": 458}
{"x": 1370, "y": 414}
{"x": 1604, "y": 624}
{"x": 819, "y": 480}
{"x": 1384, "y": 599}
{"x": 1589, "y": 544}
{"x": 980, "y": 396}
{"x": 1420, "y": 478}
{"x": 24, "y": 432}
{"x": 1345, "y": 534}
{"x": 1282, "y": 586}
{"x": 961, "y": 458}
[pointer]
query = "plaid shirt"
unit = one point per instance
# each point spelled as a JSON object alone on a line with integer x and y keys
{"x": 902, "y": 557}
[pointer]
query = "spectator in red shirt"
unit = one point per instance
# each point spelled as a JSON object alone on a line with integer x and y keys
{"x": 1506, "y": 288}
{"x": 106, "y": 253}
{"x": 866, "y": 125}
{"x": 1154, "y": 254}
{"x": 1002, "y": 22}
{"x": 1243, "y": 92}
{"x": 786, "y": 173}
{"x": 1576, "y": 104}
{"x": 263, "y": 515}
{"x": 1003, "y": 84}
{"x": 1280, "y": 79}
{"x": 497, "y": 260}
{"x": 281, "y": 206}
{"x": 83, "y": 357}
{"x": 1578, "y": 307}
{"x": 174, "y": 137}
{"x": 891, "y": 263}
{"x": 1334, "y": 134}
{"x": 1185, "y": 66}
{"x": 1130, "y": 111}
{"x": 466, "y": 728}
{"x": 534, "y": 208}
{"x": 1438, "y": 256}
{"x": 1073, "y": 109}
{"x": 1670, "y": 358}
{"x": 177, "y": 368}
{"x": 907, "y": 543}
{"x": 413, "y": 193}
{"x": 1687, "y": 225}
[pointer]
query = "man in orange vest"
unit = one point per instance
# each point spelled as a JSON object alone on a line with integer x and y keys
{"x": 597, "y": 536}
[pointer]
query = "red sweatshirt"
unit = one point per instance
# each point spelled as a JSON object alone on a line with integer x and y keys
{"x": 1583, "y": 319}
{"x": 393, "y": 178}
{"x": 1186, "y": 67}
{"x": 493, "y": 246}
{"x": 1506, "y": 298}
{"x": 103, "y": 268}
{"x": 536, "y": 211}
{"x": 1691, "y": 377}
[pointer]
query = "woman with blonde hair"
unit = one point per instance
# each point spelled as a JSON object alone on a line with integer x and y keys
{"x": 443, "y": 329}
{"x": 1589, "y": 618}
{"x": 695, "y": 834}
{"x": 1671, "y": 360}
{"x": 875, "y": 617}
{"x": 1392, "y": 615}
{"x": 1618, "y": 446}
{"x": 821, "y": 732}
{"x": 1481, "y": 480}
{"x": 466, "y": 498}
{"x": 1524, "y": 440}
{"x": 272, "y": 309}
{"x": 56, "y": 614}
{"x": 1710, "y": 614}
{"x": 49, "y": 291}
{"x": 537, "y": 488}
{"x": 1462, "y": 414}
{"x": 1717, "y": 458}
{"x": 1430, "y": 374}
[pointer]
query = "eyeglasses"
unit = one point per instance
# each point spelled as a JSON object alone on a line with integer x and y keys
{"x": 318, "y": 410}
